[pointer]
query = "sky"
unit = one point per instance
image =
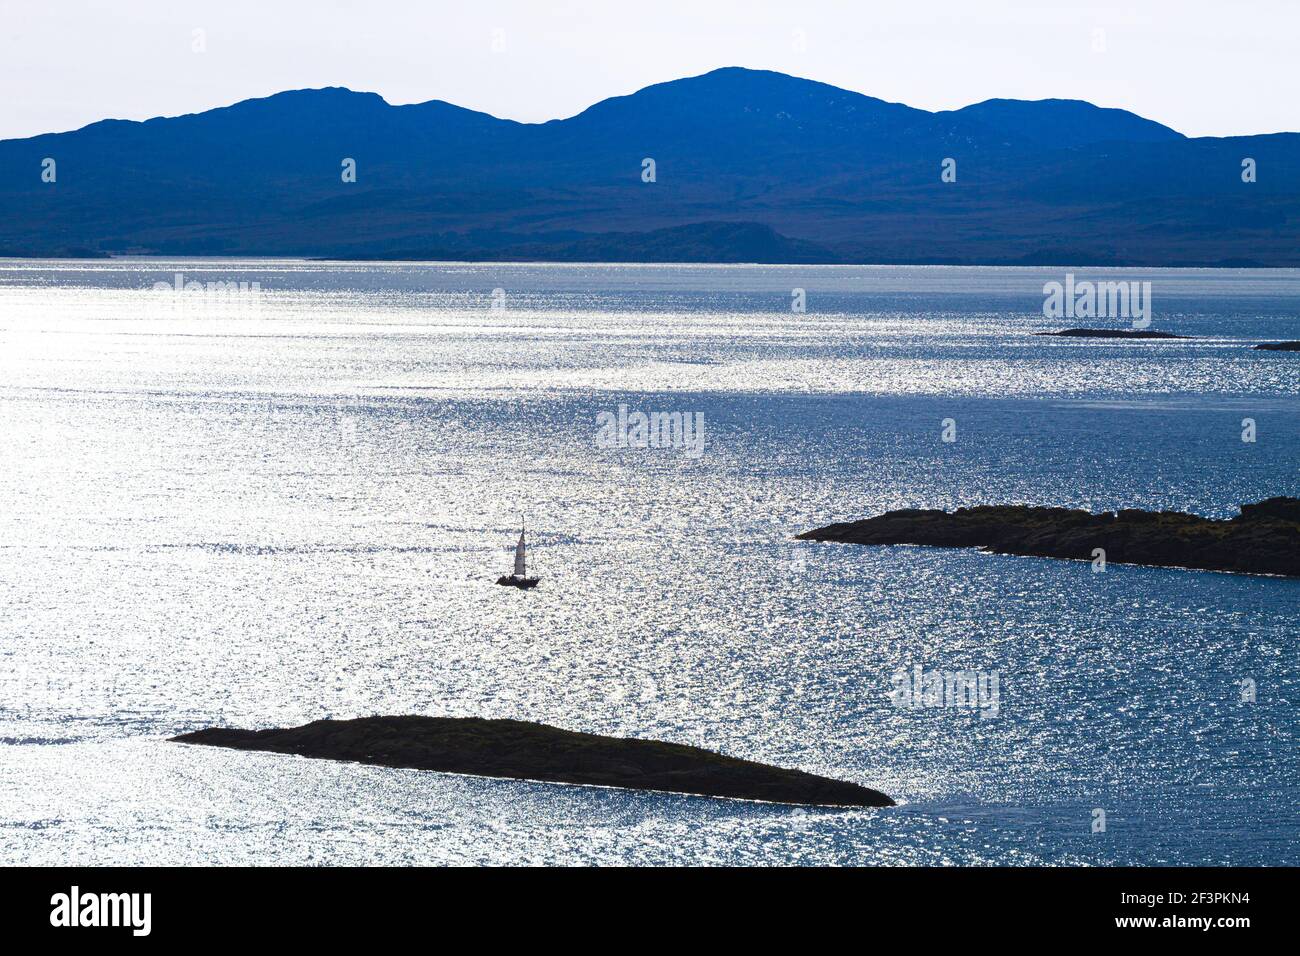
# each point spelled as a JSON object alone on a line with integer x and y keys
{"x": 1204, "y": 68}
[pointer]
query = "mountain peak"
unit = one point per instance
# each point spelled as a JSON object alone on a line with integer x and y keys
{"x": 311, "y": 99}
{"x": 714, "y": 103}
{"x": 1058, "y": 122}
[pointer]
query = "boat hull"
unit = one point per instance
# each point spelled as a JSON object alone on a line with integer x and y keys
{"x": 509, "y": 580}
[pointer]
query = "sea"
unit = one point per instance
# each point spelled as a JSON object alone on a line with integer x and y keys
{"x": 256, "y": 493}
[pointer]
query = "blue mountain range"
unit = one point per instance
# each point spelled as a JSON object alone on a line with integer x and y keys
{"x": 748, "y": 165}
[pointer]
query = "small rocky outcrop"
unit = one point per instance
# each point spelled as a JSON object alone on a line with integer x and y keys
{"x": 528, "y": 751}
{"x": 1263, "y": 539}
{"x": 1114, "y": 334}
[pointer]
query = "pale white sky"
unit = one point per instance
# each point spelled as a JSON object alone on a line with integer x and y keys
{"x": 1204, "y": 68}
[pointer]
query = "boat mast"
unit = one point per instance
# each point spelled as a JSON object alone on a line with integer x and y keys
{"x": 521, "y": 560}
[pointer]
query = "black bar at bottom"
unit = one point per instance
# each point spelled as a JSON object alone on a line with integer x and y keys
{"x": 213, "y": 906}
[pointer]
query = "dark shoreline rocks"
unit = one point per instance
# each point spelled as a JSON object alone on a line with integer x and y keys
{"x": 1114, "y": 334}
{"x": 521, "y": 750}
{"x": 1263, "y": 539}
{"x": 1278, "y": 347}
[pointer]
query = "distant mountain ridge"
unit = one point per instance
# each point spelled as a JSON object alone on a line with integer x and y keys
{"x": 1052, "y": 122}
{"x": 748, "y": 166}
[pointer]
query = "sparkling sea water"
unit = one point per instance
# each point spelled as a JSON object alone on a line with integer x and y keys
{"x": 262, "y": 507}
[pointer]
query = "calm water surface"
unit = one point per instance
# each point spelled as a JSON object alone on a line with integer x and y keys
{"x": 264, "y": 508}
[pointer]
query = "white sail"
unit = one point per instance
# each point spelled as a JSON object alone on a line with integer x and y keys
{"x": 520, "y": 566}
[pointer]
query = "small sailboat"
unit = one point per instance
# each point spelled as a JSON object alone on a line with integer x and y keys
{"x": 519, "y": 579}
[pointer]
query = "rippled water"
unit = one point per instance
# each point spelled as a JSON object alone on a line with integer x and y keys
{"x": 259, "y": 509}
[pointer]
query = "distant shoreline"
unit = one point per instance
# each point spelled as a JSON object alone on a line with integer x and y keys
{"x": 90, "y": 256}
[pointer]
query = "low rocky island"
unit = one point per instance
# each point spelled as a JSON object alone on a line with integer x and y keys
{"x": 1263, "y": 539}
{"x": 1278, "y": 347}
{"x": 1114, "y": 334}
{"x": 526, "y": 751}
